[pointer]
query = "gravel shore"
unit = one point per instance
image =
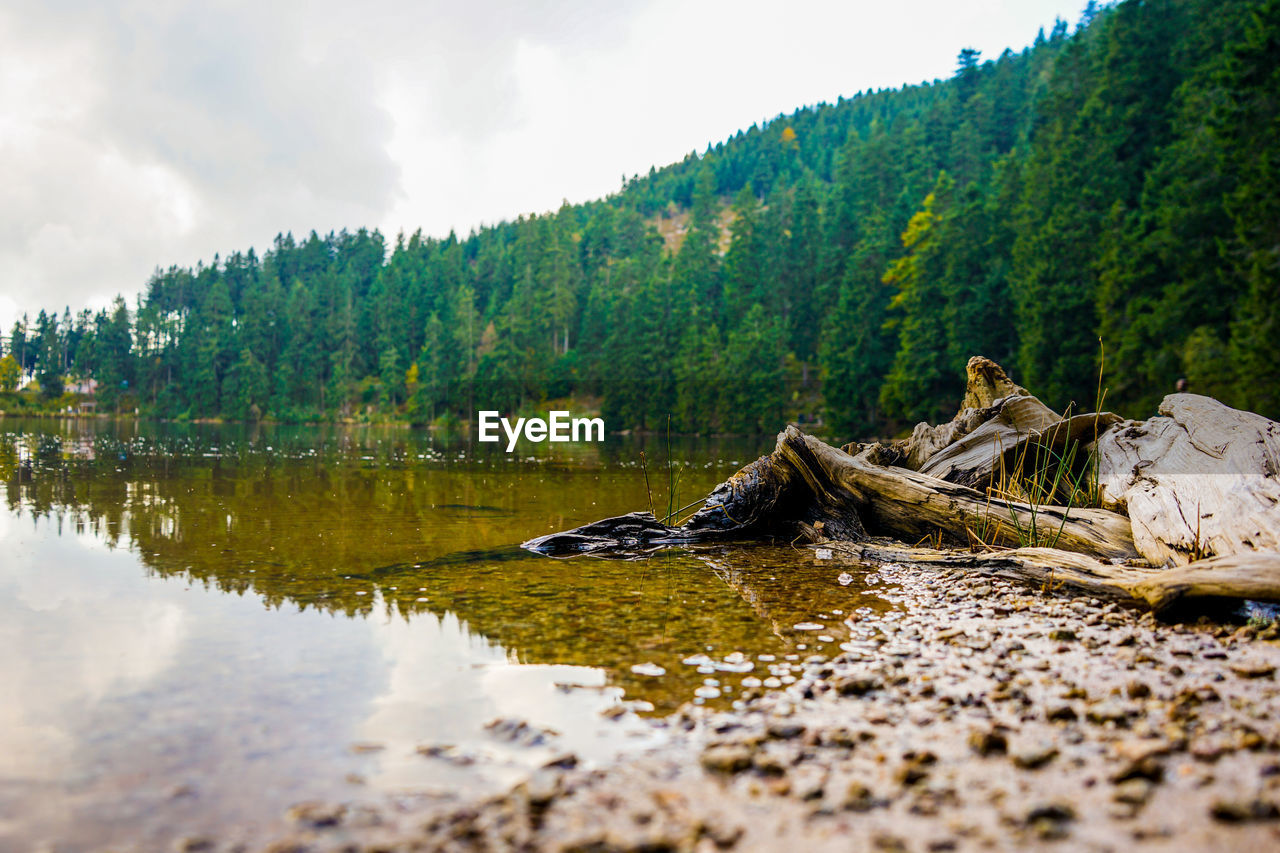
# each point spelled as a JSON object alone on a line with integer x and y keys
{"x": 980, "y": 715}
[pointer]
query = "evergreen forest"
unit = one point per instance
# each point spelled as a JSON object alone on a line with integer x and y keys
{"x": 1107, "y": 199}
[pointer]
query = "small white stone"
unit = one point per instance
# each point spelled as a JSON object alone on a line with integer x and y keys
{"x": 648, "y": 669}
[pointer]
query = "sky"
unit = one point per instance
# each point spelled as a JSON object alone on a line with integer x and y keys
{"x": 141, "y": 135}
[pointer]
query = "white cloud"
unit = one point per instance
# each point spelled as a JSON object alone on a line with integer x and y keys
{"x": 135, "y": 135}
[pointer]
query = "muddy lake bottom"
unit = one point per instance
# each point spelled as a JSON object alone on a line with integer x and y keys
{"x": 224, "y": 638}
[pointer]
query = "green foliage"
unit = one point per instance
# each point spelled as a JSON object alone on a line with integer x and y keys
{"x": 10, "y": 373}
{"x": 244, "y": 391}
{"x": 1247, "y": 129}
{"x": 919, "y": 383}
{"x": 426, "y": 381}
{"x": 753, "y": 359}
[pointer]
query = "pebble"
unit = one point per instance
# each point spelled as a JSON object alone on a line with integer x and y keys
{"x": 1253, "y": 669}
{"x": 316, "y": 815}
{"x": 1035, "y": 756}
{"x": 1049, "y": 820}
{"x": 1060, "y": 713}
{"x": 726, "y": 758}
{"x": 854, "y": 685}
{"x": 858, "y": 798}
{"x": 1147, "y": 767}
{"x": 1239, "y": 811}
{"x": 1108, "y": 712}
{"x": 782, "y": 730}
{"x": 650, "y": 669}
{"x": 1134, "y": 792}
{"x": 990, "y": 742}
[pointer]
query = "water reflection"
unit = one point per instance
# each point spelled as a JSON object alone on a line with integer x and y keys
{"x": 207, "y": 619}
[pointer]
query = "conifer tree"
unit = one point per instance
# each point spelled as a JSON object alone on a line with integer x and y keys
{"x": 916, "y": 387}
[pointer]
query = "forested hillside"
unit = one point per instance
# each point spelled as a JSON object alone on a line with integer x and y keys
{"x": 1116, "y": 185}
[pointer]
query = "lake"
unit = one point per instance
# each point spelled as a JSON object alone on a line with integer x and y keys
{"x": 206, "y": 624}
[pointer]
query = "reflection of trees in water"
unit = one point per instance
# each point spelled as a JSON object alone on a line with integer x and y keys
{"x": 378, "y": 527}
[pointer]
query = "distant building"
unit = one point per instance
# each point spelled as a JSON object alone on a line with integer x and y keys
{"x": 83, "y": 386}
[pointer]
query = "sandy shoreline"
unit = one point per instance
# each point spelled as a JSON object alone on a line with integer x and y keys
{"x": 982, "y": 715}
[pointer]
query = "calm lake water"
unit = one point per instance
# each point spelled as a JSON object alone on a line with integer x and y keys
{"x": 203, "y": 625}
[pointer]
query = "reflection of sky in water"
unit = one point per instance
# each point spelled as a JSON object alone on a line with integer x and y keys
{"x": 203, "y": 622}
{"x": 137, "y": 705}
{"x": 87, "y": 631}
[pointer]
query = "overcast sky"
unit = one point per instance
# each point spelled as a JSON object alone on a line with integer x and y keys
{"x": 137, "y": 135}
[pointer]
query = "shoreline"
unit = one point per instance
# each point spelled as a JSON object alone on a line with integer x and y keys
{"x": 984, "y": 714}
{"x": 349, "y": 422}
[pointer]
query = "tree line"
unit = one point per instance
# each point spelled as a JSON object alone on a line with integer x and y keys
{"x": 1106, "y": 196}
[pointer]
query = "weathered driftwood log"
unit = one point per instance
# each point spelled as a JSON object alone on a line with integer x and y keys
{"x": 1023, "y": 428}
{"x": 1243, "y": 576}
{"x": 768, "y": 497}
{"x": 986, "y": 382}
{"x": 911, "y": 506}
{"x": 1199, "y": 480}
{"x": 1052, "y": 567}
{"x": 1001, "y": 424}
{"x": 1000, "y": 429}
{"x": 987, "y": 386}
{"x": 633, "y": 533}
{"x": 1253, "y": 576}
{"x": 806, "y": 482}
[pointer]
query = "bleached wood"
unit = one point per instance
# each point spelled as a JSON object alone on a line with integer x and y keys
{"x": 1242, "y": 576}
{"x": 1199, "y": 483}
{"x": 977, "y": 459}
{"x": 989, "y": 393}
{"x": 1254, "y": 575}
{"x": 909, "y": 505}
{"x": 986, "y": 382}
{"x": 1052, "y": 567}
{"x": 1199, "y": 480}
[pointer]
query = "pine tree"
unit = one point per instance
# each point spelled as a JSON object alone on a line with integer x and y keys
{"x": 244, "y": 390}
{"x": 113, "y": 343}
{"x": 857, "y": 348}
{"x": 1247, "y": 125}
{"x": 917, "y": 385}
{"x": 48, "y": 345}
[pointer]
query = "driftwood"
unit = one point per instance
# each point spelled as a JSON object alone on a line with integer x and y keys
{"x": 632, "y": 534}
{"x": 999, "y": 426}
{"x": 1200, "y": 480}
{"x": 1245, "y": 576}
{"x": 911, "y": 506}
{"x": 805, "y": 483}
{"x": 986, "y": 382}
{"x": 980, "y": 458}
{"x": 987, "y": 389}
{"x": 1199, "y": 485}
{"x": 1249, "y": 576}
